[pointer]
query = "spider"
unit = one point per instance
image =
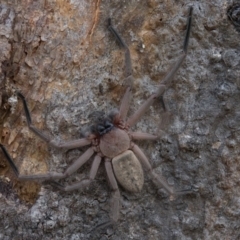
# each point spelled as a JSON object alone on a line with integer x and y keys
{"x": 111, "y": 140}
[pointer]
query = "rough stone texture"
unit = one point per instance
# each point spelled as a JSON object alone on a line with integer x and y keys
{"x": 63, "y": 59}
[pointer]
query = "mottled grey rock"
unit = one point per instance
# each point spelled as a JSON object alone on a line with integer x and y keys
{"x": 61, "y": 56}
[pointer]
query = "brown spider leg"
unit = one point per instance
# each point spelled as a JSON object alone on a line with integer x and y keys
{"x": 128, "y": 64}
{"x": 115, "y": 206}
{"x": 85, "y": 182}
{"x": 50, "y": 175}
{"x": 147, "y": 136}
{"x": 143, "y": 136}
{"x": 59, "y": 144}
{"x": 166, "y": 81}
{"x": 128, "y": 74}
{"x": 158, "y": 180}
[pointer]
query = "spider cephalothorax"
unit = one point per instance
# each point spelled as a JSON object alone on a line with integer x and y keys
{"x": 109, "y": 134}
{"x": 110, "y": 139}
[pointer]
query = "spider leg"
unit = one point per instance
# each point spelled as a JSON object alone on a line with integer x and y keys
{"x": 167, "y": 79}
{"x": 158, "y": 181}
{"x": 61, "y": 144}
{"x": 128, "y": 63}
{"x": 128, "y": 74}
{"x": 143, "y": 136}
{"x": 115, "y": 207}
{"x": 85, "y": 182}
{"x": 165, "y": 119}
{"x": 50, "y": 175}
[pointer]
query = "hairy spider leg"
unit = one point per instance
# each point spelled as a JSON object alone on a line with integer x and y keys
{"x": 115, "y": 201}
{"x": 84, "y": 183}
{"x": 156, "y": 178}
{"x": 167, "y": 79}
{"x": 128, "y": 74}
{"x": 50, "y": 175}
{"x": 58, "y": 144}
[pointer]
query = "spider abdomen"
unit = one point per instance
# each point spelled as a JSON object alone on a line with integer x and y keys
{"x": 128, "y": 171}
{"x": 114, "y": 142}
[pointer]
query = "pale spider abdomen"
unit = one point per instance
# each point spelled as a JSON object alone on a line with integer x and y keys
{"x": 114, "y": 142}
{"x": 128, "y": 171}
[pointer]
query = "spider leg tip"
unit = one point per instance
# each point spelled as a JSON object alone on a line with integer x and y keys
{"x": 20, "y": 95}
{"x": 109, "y": 22}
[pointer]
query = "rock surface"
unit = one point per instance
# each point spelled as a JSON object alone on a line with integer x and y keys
{"x": 61, "y": 56}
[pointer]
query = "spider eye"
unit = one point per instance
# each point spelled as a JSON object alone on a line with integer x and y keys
{"x": 101, "y": 129}
{"x": 108, "y": 125}
{"x": 104, "y": 128}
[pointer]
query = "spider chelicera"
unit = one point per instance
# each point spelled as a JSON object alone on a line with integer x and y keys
{"x": 111, "y": 140}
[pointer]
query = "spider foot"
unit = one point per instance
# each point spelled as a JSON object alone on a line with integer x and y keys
{"x": 54, "y": 184}
{"x": 104, "y": 225}
{"x": 190, "y": 190}
{"x": 175, "y": 193}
